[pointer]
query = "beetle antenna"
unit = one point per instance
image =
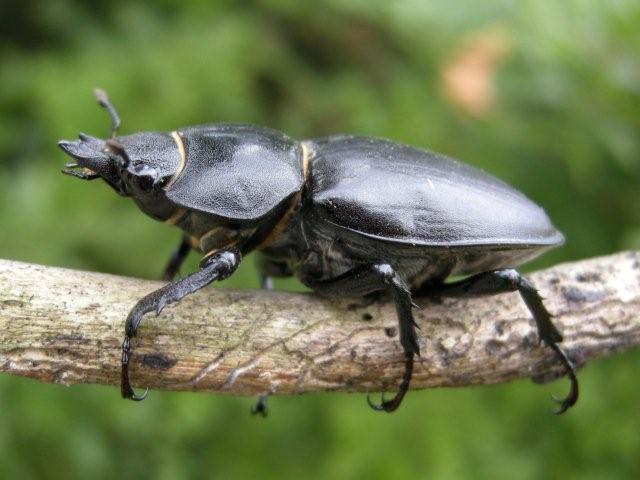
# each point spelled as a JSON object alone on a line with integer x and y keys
{"x": 103, "y": 101}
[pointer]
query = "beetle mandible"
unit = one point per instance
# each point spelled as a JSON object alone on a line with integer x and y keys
{"x": 347, "y": 215}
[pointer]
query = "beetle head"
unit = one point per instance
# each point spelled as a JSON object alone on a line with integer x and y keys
{"x": 134, "y": 165}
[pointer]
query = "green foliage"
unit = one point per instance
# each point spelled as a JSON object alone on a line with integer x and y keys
{"x": 562, "y": 126}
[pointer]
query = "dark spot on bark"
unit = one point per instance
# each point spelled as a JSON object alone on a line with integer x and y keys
{"x": 158, "y": 361}
{"x": 332, "y": 349}
{"x": 367, "y": 317}
{"x": 494, "y": 347}
{"x": 588, "y": 277}
{"x": 73, "y": 339}
{"x": 353, "y": 354}
{"x": 554, "y": 281}
{"x": 574, "y": 294}
{"x": 462, "y": 379}
{"x": 499, "y": 327}
{"x": 13, "y": 303}
{"x": 390, "y": 332}
{"x": 530, "y": 341}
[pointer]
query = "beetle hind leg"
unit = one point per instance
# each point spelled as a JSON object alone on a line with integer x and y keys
{"x": 509, "y": 280}
{"x": 367, "y": 280}
{"x": 408, "y": 338}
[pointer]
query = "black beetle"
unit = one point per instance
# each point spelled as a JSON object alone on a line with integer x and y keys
{"x": 346, "y": 215}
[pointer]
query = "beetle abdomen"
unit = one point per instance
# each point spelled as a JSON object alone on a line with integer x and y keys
{"x": 401, "y": 194}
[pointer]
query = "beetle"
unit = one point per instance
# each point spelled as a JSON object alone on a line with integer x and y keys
{"x": 347, "y": 215}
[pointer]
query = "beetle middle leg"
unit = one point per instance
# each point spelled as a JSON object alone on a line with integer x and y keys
{"x": 217, "y": 266}
{"x": 178, "y": 256}
{"x": 375, "y": 278}
{"x": 268, "y": 269}
{"x": 509, "y": 280}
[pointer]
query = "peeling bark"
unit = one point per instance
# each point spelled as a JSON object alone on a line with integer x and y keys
{"x": 66, "y": 326}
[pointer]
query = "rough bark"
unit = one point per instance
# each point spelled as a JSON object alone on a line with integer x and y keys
{"x": 66, "y": 326}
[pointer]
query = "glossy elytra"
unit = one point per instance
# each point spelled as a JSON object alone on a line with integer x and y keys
{"x": 346, "y": 215}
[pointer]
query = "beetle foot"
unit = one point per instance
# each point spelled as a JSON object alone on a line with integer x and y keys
{"x": 126, "y": 389}
{"x": 384, "y": 405}
{"x": 393, "y": 404}
{"x": 574, "y": 392}
{"x": 260, "y": 408}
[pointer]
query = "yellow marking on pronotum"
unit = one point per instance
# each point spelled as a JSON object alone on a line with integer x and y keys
{"x": 305, "y": 161}
{"x": 183, "y": 158}
{"x": 176, "y": 216}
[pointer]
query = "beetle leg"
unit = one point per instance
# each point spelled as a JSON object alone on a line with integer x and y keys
{"x": 177, "y": 259}
{"x": 213, "y": 267}
{"x": 376, "y": 278}
{"x": 260, "y": 408}
{"x": 266, "y": 282}
{"x": 268, "y": 269}
{"x": 509, "y": 280}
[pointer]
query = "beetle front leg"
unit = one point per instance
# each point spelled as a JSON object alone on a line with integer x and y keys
{"x": 509, "y": 280}
{"x": 376, "y": 278}
{"x": 217, "y": 266}
{"x": 177, "y": 258}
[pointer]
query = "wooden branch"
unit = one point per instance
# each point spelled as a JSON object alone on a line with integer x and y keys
{"x": 66, "y": 326}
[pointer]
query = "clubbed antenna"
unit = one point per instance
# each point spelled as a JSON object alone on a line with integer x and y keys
{"x": 103, "y": 100}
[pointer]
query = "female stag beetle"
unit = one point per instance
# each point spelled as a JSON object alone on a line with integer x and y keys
{"x": 346, "y": 215}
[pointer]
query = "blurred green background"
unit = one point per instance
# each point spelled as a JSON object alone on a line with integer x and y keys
{"x": 543, "y": 94}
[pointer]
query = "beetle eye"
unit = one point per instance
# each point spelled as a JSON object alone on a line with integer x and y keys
{"x": 145, "y": 176}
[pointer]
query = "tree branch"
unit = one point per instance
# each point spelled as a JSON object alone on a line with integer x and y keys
{"x": 66, "y": 326}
